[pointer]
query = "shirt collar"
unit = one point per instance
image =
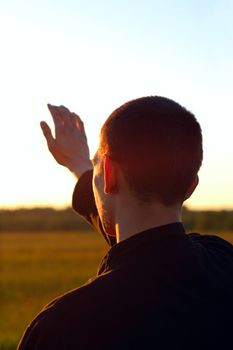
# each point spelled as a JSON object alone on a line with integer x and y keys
{"x": 154, "y": 236}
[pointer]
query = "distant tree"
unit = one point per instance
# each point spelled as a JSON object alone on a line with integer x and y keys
{"x": 41, "y": 219}
{"x": 49, "y": 219}
{"x": 208, "y": 221}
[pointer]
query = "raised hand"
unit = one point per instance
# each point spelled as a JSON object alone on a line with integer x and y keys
{"x": 69, "y": 147}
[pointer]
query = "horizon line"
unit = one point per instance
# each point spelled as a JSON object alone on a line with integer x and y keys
{"x": 13, "y": 207}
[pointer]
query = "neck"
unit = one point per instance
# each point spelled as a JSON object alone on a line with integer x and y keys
{"x": 137, "y": 217}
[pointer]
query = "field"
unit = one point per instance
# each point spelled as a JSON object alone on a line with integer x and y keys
{"x": 37, "y": 267}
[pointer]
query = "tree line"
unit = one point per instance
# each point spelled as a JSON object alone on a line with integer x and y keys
{"x": 49, "y": 219}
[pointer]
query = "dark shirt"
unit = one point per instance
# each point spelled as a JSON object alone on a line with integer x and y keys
{"x": 159, "y": 289}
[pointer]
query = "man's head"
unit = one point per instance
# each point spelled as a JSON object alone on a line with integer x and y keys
{"x": 157, "y": 145}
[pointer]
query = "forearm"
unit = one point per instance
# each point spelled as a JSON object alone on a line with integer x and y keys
{"x": 83, "y": 203}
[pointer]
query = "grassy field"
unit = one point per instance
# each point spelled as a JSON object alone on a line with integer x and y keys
{"x": 37, "y": 267}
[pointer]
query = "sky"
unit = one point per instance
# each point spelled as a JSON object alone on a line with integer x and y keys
{"x": 92, "y": 56}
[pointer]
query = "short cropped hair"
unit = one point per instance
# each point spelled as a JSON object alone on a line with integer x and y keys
{"x": 158, "y": 146}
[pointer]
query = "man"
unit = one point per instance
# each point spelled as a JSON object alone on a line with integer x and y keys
{"x": 157, "y": 287}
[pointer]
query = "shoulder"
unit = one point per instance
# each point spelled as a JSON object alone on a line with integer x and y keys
{"x": 210, "y": 241}
{"x": 68, "y": 315}
{"x": 216, "y": 256}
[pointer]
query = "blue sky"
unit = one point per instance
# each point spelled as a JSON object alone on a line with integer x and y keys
{"x": 93, "y": 56}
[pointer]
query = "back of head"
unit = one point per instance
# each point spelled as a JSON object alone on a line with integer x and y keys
{"x": 158, "y": 145}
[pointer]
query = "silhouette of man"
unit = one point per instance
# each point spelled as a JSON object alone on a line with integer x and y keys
{"x": 157, "y": 287}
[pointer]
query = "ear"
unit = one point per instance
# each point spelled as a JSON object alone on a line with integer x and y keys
{"x": 110, "y": 175}
{"x": 192, "y": 188}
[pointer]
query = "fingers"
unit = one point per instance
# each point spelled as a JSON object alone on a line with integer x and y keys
{"x": 77, "y": 122}
{"x": 61, "y": 117}
{"x": 58, "y": 123}
{"x": 47, "y": 134}
{"x": 64, "y": 114}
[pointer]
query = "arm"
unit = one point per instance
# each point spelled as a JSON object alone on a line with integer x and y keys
{"x": 83, "y": 203}
{"x": 70, "y": 149}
